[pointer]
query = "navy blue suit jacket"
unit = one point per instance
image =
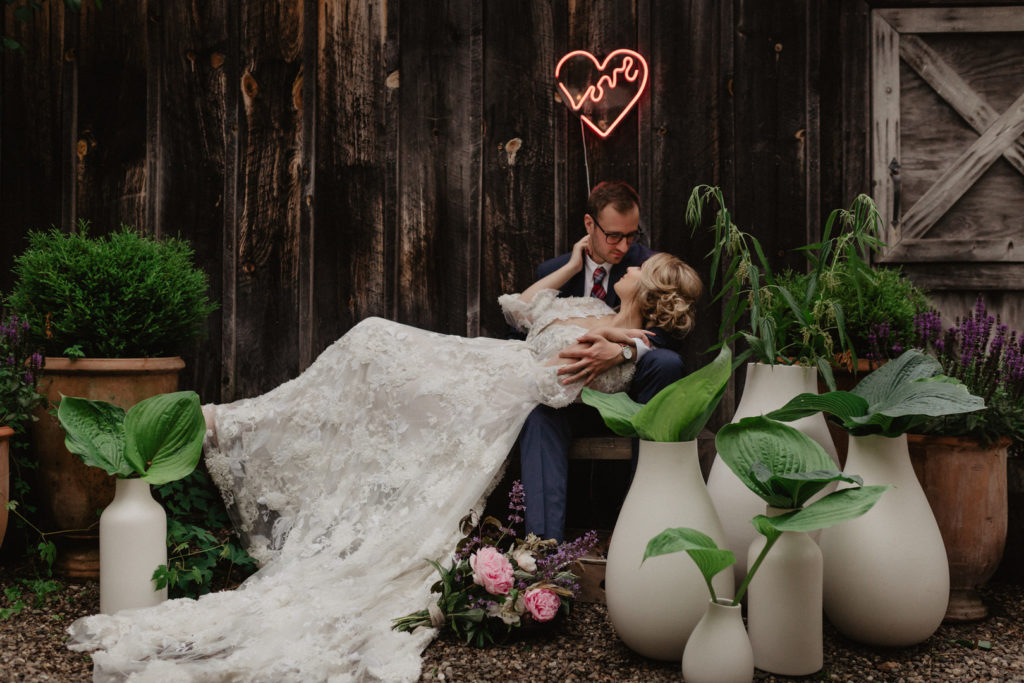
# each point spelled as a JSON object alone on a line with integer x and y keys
{"x": 637, "y": 254}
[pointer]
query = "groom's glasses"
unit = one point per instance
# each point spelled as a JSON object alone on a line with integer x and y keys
{"x": 616, "y": 237}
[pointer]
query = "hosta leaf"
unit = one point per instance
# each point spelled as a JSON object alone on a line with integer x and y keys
{"x": 836, "y": 507}
{"x": 165, "y": 436}
{"x": 706, "y": 554}
{"x": 95, "y": 431}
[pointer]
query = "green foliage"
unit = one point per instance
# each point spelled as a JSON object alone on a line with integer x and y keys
{"x": 19, "y": 374}
{"x": 676, "y": 413}
{"x": 897, "y": 398}
{"x": 203, "y": 554}
{"x": 709, "y": 558}
{"x": 160, "y": 439}
{"x": 123, "y": 295}
{"x": 784, "y": 468}
{"x": 789, "y": 320}
{"x": 40, "y": 591}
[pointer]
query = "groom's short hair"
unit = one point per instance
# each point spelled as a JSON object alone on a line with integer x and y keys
{"x": 619, "y": 195}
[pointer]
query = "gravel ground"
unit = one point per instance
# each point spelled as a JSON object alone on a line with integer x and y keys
{"x": 584, "y": 647}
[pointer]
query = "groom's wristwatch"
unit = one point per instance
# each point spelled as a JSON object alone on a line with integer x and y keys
{"x": 627, "y": 351}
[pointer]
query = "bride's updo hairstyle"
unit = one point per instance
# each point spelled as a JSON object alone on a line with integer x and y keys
{"x": 667, "y": 293}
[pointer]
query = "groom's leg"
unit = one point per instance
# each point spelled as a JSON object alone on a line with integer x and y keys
{"x": 544, "y": 453}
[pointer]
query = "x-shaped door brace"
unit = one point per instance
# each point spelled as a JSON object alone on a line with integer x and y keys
{"x": 999, "y": 136}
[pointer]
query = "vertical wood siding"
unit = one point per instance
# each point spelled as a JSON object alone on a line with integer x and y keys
{"x": 333, "y": 160}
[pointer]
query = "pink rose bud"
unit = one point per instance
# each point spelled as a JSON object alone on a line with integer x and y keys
{"x": 542, "y": 604}
{"x": 492, "y": 570}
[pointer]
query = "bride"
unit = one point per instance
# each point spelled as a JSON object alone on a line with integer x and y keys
{"x": 345, "y": 479}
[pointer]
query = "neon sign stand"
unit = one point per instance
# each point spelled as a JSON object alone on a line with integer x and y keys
{"x": 601, "y": 93}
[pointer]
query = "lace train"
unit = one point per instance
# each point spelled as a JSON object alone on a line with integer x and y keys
{"x": 341, "y": 482}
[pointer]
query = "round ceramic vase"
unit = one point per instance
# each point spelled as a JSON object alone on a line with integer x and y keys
{"x": 767, "y": 388}
{"x": 784, "y": 601}
{"x": 719, "y": 651}
{"x": 133, "y": 543}
{"x": 655, "y": 606}
{"x": 886, "y": 572}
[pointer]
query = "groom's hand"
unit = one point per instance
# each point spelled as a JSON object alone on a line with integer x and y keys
{"x": 589, "y": 358}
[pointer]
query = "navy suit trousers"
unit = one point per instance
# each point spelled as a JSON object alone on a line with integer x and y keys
{"x": 545, "y": 438}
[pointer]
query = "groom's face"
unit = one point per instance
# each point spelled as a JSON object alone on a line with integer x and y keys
{"x": 611, "y": 222}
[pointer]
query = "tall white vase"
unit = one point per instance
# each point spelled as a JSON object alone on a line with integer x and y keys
{"x": 133, "y": 543}
{"x": 767, "y": 388}
{"x": 654, "y": 607}
{"x": 784, "y": 602}
{"x": 886, "y": 572}
{"x": 718, "y": 651}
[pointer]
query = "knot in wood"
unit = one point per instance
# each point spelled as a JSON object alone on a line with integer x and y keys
{"x": 250, "y": 88}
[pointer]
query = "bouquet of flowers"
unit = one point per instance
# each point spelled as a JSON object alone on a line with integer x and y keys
{"x": 498, "y": 581}
{"x": 988, "y": 358}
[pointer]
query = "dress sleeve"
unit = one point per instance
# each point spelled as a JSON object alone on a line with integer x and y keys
{"x": 523, "y": 314}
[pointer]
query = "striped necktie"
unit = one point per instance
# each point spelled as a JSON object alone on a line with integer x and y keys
{"x": 597, "y": 290}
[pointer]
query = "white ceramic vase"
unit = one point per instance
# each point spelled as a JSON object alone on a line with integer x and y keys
{"x": 784, "y": 603}
{"x": 767, "y": 388}
{"x": 719, "y": 651}
{"x": 133, "y": 543}
{"x": 886, "y": 572}
{"x": 654, "y": 607}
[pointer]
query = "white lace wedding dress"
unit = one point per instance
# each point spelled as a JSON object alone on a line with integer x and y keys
{"x": 342, "y": 481}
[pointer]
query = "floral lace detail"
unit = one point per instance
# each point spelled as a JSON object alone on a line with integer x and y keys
{"x": 341, "y": 481}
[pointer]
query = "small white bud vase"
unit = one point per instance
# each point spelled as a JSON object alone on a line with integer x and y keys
{"x": 886, "y": 572}
{"x": 718, "y": 650}
{"x": 655, "y": 606}
{"x": 767, "y": 388}
{"x": 784, "y": 602}
{"x": 133, "y": 543}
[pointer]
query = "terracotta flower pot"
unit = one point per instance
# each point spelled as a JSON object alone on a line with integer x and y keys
{"x": 5, "y": 477}
{"x": 73, "y": 494}
{"x": 965, "y": 484}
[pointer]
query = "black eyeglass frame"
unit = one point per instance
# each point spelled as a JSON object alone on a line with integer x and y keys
{"x": 616, "y": 237}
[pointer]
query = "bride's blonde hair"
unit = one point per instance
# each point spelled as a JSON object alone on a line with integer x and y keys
{"x": 667, "y": 293}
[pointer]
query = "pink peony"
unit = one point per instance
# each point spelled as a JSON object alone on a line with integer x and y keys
{"x": 542, "y": 604}
{"x": 492, "y": 570}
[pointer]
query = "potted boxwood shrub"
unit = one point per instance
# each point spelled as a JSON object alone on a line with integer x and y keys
{"x": 112, "y": 314}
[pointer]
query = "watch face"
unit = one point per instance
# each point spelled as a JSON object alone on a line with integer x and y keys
{"x": 627, "y": 352}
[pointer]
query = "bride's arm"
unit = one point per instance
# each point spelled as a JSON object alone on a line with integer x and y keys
{"x": 559, "y": 277}
{"x": 598, "y": 350}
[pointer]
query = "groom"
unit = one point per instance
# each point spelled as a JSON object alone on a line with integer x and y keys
{"x": 612, "y": 222}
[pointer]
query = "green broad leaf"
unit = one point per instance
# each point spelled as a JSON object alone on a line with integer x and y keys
{"x": 761, "y": 452}
{"x": 764, "y": 525}
{"x": 95, "y": 431}
{"x": 911, "y": 365}
{"x": 842, "y": 404}
{"x": 165, "y": 436}
{"x": 679, "y": 411}
{"x": 617, "y": 410}
{"x": 706, "y": 554}
{"x": 929, "y": 398}
{"x": 836, "y": 507}
{"x": 788, "y": 488}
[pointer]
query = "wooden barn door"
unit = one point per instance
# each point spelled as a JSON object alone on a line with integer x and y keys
{"x": 948, "y": 151}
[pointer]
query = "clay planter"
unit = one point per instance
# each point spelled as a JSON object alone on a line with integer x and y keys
{"x": 5, "y": 477}
{"x": 73, "y": 494}
{"x": 965, "y": 484}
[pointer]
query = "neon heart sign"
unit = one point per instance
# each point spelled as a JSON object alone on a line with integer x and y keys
{"x": 601, "y": 93}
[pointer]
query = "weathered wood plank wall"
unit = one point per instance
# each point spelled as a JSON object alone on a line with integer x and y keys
{"x": 333, "y": 160}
